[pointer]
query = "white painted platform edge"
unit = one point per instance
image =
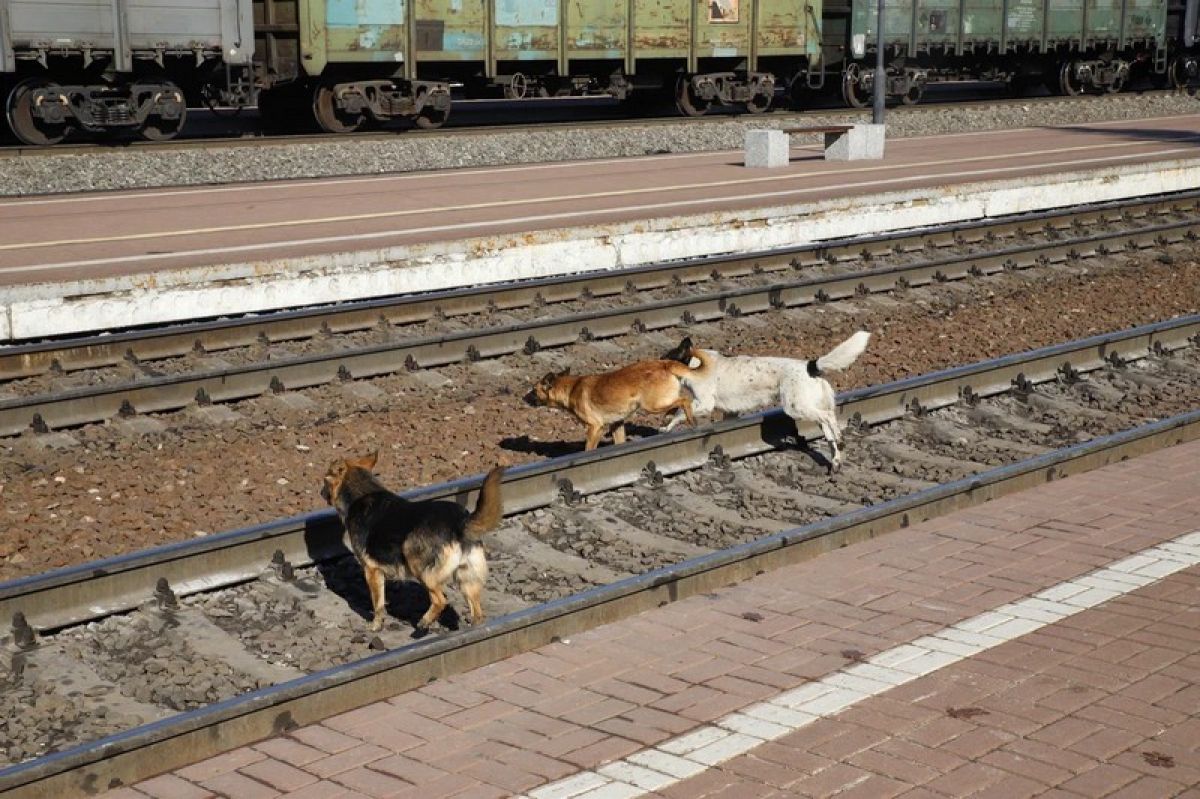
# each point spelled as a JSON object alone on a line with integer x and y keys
{"x": 738, "y": 733}
{"x": 56, "y": 309}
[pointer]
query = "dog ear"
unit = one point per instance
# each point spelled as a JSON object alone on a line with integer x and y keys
{"x": 547, "y": 378}
{"x": 366, "y": 461}
{"x": 564, "y": 372}
{"x": 686, "y": 344}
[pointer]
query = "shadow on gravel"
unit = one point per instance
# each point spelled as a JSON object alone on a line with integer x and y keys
{"x": 556, "y": 449}
{"x": 406, "y": 600}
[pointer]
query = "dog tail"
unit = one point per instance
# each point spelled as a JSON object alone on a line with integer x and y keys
{"x": 687, "y": 370}
{"x": 842, "y": 356}
{"x": 488, "y": 508}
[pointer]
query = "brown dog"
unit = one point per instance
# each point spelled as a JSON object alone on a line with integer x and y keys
{"x": 608, "y": 399}
{"x": 432, "y": 541}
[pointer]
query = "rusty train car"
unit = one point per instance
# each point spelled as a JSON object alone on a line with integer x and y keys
{"x": 342, "y": 65}
{"x": 371, "y": 60}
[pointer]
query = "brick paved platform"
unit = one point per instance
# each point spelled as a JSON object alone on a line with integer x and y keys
{"x": 1045, "y": 644}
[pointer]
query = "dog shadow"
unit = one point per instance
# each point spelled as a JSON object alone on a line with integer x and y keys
{"x": 556, "y": 449}
{"x": 405, "y": 600}
{"x": 781, "y": 434}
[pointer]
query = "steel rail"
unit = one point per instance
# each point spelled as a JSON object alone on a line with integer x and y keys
{"x": 158, "y": 394}
{"x": 67, "y": 355}
{"x": 126, "y": 757}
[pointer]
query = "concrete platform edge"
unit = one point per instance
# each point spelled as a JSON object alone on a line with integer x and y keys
{"x": 60, "y": 309}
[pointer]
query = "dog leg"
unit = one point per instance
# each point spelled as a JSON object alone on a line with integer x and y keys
{"x": 618, "y": 433}
{"x": 437, "y": 603}
{"x": 593, "y": 437}
{"x": 675, "y": 420}
{"x": 471, "y": 577}
{"x": 377, "y": 585}
{"x": 474, "y": 593}
{"x": 686, "y": 404}
{"x": 829, "y": 428}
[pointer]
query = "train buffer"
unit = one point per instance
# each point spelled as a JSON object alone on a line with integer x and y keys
{"x": 769, "y": 147}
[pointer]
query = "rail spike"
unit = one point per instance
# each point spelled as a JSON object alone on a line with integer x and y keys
{"x": 22, "y": 634}
{"x": 567, "y": 492}
{"x": 1022, "y": 387}
{"x": 281, "y": 567}
{"x": 164, "y": 597}
{"x": 654, "y": 478}
{"x": 719, "y": 458}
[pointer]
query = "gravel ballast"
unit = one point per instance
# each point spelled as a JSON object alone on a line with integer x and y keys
{"x": 116, "y": 490}
{"x": 409, "y": 151}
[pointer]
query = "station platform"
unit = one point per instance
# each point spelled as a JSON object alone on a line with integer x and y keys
{"x": 82, "y": 262}
{"x": 1043, "y": 644}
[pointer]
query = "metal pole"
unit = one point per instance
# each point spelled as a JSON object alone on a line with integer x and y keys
{"x": 880, "y": 76}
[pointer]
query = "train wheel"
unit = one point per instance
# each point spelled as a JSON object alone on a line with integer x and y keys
{"x": 430, "y": 118}
{"x": 160, "y": 128}
{"x": 852, "y": 87}
{"x": 914, "y": 94}
{"x": 1183, "y": 72}
{"x": 1116, "y": 86}
{"x": 1067, "y": 84}
{"x": 25, "y": 126}
{"x": 759, "y": 104}
{"x": 686, "y": 100}
{"x": 331, "y": 118}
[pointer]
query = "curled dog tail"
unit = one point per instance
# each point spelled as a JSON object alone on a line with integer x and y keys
{"x": 684, "y": 369}
{"x": 488, "y": 508}
{"x": 842, "y": 356}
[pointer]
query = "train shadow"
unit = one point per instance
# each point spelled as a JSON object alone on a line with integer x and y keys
{"x": 1147, "y": 135}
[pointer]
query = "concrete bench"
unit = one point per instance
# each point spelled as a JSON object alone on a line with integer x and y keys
{"x": 769, "y": 148}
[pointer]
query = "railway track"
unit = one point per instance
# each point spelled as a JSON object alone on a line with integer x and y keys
{"x": 192, "y": 648}
{"x": 59, "y": 384}
{"x": 257, "y": 138}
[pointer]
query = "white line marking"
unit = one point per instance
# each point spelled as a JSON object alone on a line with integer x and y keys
{"x": 691, "y": 753}
{"x": 408, "y": 176}
{"x": 123, "y": 259}
{"x": 558, "y": 198}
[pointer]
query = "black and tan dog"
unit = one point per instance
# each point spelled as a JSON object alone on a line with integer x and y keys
{"x": 608, "y": 399}
{"x": 431, "y": 542}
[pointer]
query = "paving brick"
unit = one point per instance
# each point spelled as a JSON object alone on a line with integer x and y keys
{"x": 325, "y": 739}
{"x": 896, "y": 768}
{"x": 278, "y": 775}
{"x": 221, "y": 764}
{"x": 967, "y": 779}
{"x": 371, "y": 783}
{"x": 601, "y": 752}
{"x": 239, "y": 785}
{"x": 169, "y": 786}
{"x": 1152, "y": 788}
{"x": 1107, "y": 743}
{"x": 1101, "y": 780}
{"x": 346, "y": 760}
{"x": 289, "y": 751}
{"x": 1045, "y": 774}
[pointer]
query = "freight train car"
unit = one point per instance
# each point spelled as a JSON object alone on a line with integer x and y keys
{"x": 119, "y": 65}
{"x": 1070, "y": 45}
{"x": 357, "y": 62}
{"x": 1183, "y": 41}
